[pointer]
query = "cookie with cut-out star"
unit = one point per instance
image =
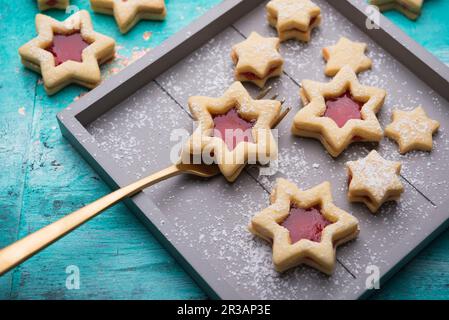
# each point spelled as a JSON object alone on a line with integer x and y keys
{"x": 233, "y": 130}
{"x": 257, "y": 59}
{"x": 412, "y": 130}
{"x": 66, "y": 52}
{"x": 293, "y": 19}
{"x": 128, "y": 12}
{"x": 305, "y": 227}
{"x": 346, "y": 52}
{"x": 410, "y": 8}
{"x": 339, "y": 112}
{"x": 52, "y": 4}
{"x": 374, "y": 181}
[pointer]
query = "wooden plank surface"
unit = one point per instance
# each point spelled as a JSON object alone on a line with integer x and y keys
{"x": 42, "y": 177}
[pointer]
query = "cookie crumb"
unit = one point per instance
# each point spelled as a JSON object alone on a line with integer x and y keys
{"x": 147, "y": 35}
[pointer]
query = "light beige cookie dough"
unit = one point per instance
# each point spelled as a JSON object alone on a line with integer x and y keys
{"x": 128, "y": 12}
{"x": 410, "y": 8}
{"x": 52, "y": 4}
{"x": 311, "y": 122}
{"x": 346, "y": 52}
{"x": 262, "y": 113}
{"x": 374, "y": 181}
{"x": 293, "y": 19}
{"x": 412, "y": 130}
{"x": 257, "y": 59}
{"x": 36, "y": 56}
{"x": 321, "y": 255}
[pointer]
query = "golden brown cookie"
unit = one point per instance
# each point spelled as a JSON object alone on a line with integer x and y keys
{"x": 293, "y": 19}
{"x": 339, "y": 112}
{"x": 232, "y": 130}
{"x": 128, "y": 12}
{"x": 412, "y": 130}
{"x": 52, "y": 4}
{"x": 374, "y": 181}
{"x": 304, "y": 226}
{"x": 346, "y": 52}
{"x": 66, "y": 52}
{"x": 410, "y": 8}
{"x": 257, "y": 59}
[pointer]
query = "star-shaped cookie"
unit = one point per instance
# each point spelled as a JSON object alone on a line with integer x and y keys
{"x": 233, "y": 149}
{"x": 374, "y": 181}
{"x": 128, "y": 12}
{"x": 346, "y": 52}
{"x": 293, "y": 19}
{"x": 313, "y": 119}
{"x": 413, "y": 130}
{"x": 66, "y": 52}
{"x": 269, "y": 224}
{"x": 52, "y": 4}
{"x": 257, "y": 59}
{"x": 410, "y": 8}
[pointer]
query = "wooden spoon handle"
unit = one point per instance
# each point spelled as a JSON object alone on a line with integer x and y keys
{"x": 28, "y": 246}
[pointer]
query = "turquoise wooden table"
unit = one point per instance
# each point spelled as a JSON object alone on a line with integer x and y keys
{"x": 42, "y": 177}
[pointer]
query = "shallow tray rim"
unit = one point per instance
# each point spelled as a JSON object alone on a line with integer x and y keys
{"x": 75, "y": 118}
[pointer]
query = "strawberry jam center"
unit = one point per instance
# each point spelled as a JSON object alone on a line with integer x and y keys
{"x": 51, "y": 3}
{"x": 305, "y": 224}
{"x": 233, "y": 129}
{"x": 312, "y": 21}
{"x": 342, "y": 109}
{"x": 67, "y": 47}
{"x": 252, "y": 76}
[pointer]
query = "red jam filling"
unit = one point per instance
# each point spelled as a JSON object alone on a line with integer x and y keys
{"x": 305, "y": 224}
{"x": 252, "y": 76}
{"x": 233, "y": 129}
{"x": 343, "y": 108}
{"x": 312, "y": 21}
{"x": 406, "y": 7}
{"x": 51, "y": 3}
{"x": 67, "y": 47}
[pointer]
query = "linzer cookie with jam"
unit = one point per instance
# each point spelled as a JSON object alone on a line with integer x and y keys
{"x": 339, "y": 112}
{"x": 410, "y": 8}
{"x": 66, "y": 52}
{"x": 304, "y": 227}
{"x": 374, "y": 181}
{"x": 232, "y": 130}
{"x": 293, "y": 19}
{"x": 257, "y": 59}
{"x": 128, "y": 12}
{"x": 52, "y": 4}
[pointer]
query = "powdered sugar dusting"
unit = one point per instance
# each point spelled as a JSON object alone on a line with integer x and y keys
{"x": 210, "y": 217}
{"x": 374, "y": 174}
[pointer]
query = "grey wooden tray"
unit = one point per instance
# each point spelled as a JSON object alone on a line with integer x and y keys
{"x": 123, "y": 129}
